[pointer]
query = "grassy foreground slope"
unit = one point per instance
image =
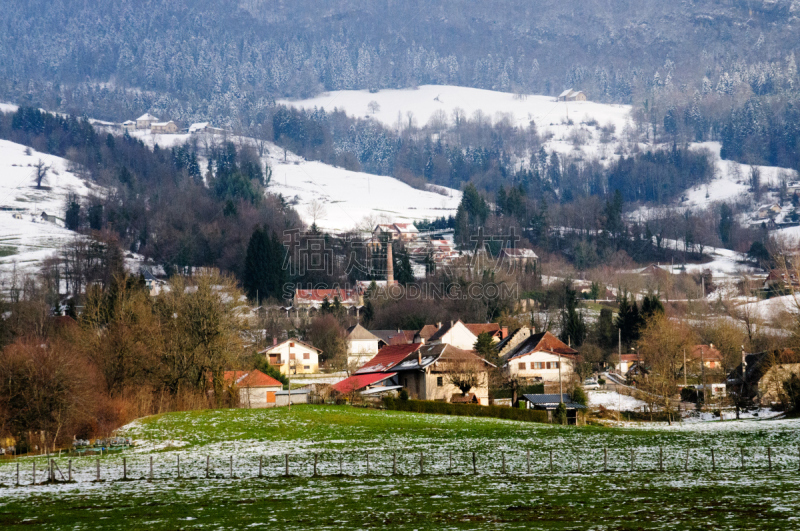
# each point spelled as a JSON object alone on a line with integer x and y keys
{"x": 576, "y": 494}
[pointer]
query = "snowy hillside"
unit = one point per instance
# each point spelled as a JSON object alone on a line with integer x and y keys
{"x": 550, "y": 116}
{"x": 25, "y": 237}
{"x": 348, "y": 199}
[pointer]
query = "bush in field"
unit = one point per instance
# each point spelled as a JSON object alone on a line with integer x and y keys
{"x": 792, "y": 389}
{"x": 560, "y": 414}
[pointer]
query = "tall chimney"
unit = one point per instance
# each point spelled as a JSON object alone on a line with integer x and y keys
{"x": 389, "y": 264}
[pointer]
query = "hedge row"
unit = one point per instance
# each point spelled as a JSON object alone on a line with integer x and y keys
{"x": 465, "y": 410}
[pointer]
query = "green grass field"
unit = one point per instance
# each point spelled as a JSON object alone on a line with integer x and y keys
{"x": 575, "y": 494}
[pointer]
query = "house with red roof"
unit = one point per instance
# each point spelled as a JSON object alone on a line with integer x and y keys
{"x": 427, "y": 372}
{"x": 256, "y": 389}
{"x": 540, "y": 358}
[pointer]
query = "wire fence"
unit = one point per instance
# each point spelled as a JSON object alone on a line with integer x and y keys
{"x": 556, "y": 461}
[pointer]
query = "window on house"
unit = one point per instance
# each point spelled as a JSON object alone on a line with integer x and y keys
{"x": 307, "y": 367}
{"x": 440, "y": 381}
{"x": 306, "y": 356}
{"x": 522, "y": 366}
{"x": 538, "y": 365}
{"x": 291, "y": 356}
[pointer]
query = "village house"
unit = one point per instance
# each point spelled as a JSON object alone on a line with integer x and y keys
{"x": 169, "y": 128}
{"x": 394, "y": 337}
{"x": 517, "y": 257}
{"x": 145, "y": 121}
{"x": 768, "y": 211}
{"x": 362, "y": 345}
{"x": 454, "y": 333}
{"x": 625, "y": 362}
{"x": 427, "y": 372}
{"x": 764, "y": 375}
{"x": 48, "y": 218}
{"x": 540, "y": 358}
{"x": 571, "y": 95}
{"x": 405, "y": 232}
{"x": 549, "y": 403}
{"x": 255, "y": 389}
{"x": 781, "y": 281}
{"x": 311, "y": 300}
{"x": 293, "y": 356}
{"x": 129, "y": 126}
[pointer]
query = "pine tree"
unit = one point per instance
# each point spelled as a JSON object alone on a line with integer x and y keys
{"x": 403, "y": 272}
{"x": 256, "y": 274}
{"x": 573, "y": 327}
{"x": 486, "y": 348}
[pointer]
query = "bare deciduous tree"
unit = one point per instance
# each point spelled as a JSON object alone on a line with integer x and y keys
{"x": 40, "y": 173}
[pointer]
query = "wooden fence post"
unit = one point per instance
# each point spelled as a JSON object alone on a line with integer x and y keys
{"x": 124, "y": 468}
{"x": 231, "y": 467}
{"x": 151, "y": 468}
{"x": 605, "y": 459}
{"x": 261, "y": 464}
{"x": 741, "y": 453}
{"x": 315, "y": 463}
{"x": 341, "y": 469}
{"x": 713, "y": 461}
{"x": 551, "y": 461}
{"x": 529, "y": 462}
{"x": 52, "y": 470}
{"x": 69, "y": 471}
{"x": 179, "y": 466}
{"x": 368, "y": 463}
{"x": 450, "y": 467}
{"x": 474, "y": 464}
{"x": 18, "y": 473}
{"x": 421, "y": 463}
{"x": 632, "y": 465}
{"x": 661, "y": 458}
{"x": 98, "y": 469}
{"x": 769, "y": 457}
{"x": 286, "y": 464}
{"x": 503, "y": 454}
{"x": 34, "y": 474}
{"x": 208, "y": 466}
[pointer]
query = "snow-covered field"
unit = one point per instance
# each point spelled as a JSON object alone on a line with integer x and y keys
{"x": 551, "y": 117}
{"x": 614, "y": 401}
{"x": 348, "y": 199}
{"x": 27, "y": 240}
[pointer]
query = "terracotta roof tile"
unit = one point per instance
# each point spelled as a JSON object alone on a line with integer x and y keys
{"x": 388, "y": 357}
{"x": 254, "y": 378}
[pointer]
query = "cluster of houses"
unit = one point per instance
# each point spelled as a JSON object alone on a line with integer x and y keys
{"x": 148, "y": 122}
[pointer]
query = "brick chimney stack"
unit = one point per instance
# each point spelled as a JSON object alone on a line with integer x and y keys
{"x": 389, "y": 264}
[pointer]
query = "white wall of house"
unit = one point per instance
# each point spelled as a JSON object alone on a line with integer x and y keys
{"x": 539, "y": 364}
{"x": 459, "y": 336}
{"x": 304, "y": 359}
{"x": 258, "y": 397}
{"x": 360, "y": 351}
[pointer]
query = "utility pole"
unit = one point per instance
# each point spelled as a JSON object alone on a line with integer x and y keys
{"x": 702, "y": 376}
{"x": 289, "y": 375}
{"x": 684, "y": 367}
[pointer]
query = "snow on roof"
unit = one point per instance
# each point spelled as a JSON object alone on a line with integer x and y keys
{"x": 406, "y": 227}
{"x": 128, "y": 122}
{"x": 161, "y": 124}
{"x": 147, "y": 116}
{"x": 198, "y": 126}
{"x": 565, "y": 93}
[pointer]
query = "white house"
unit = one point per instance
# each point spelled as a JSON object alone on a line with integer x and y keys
{"x": 145, "y": 120}
{"x": 456, "y": 334}
{"x": 256, "y": 389}
{"x": 169, "y": 128}
{"x": 129, "y": 126}
{"x": 293, "y": 357}
{"x": 541, "y": 357}
{"x": 362, "y": 345}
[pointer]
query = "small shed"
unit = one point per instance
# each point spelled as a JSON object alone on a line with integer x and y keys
{"x": 298, "y": 396}
{"x": 549, "y": 403}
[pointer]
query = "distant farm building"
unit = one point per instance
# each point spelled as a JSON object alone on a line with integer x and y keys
{"x": 169, "y": 128}
{"x": 145, "y": 121}
{"x": 571, "y": 95}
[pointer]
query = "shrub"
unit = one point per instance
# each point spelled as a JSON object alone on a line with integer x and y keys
{"x": 579, "y": 396}
{"x": 403, "y": 395}
{"x": 560, "y": 414}
{"x": 465, "y": 410}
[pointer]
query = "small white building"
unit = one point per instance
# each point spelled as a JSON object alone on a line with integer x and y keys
{"x": 362, "y": 345}
{"x": 293, "y": 357}
{"x": 129, "y": 126}
{"x": 169, "y": 128}
{"x": 256, "y": 389}
{"x": 541, "y": 357}
{"x": 456, "y": 334}
{"x": 145, "y": 121}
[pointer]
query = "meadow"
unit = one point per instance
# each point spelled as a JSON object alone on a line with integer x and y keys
{"x": 385, "y": 469}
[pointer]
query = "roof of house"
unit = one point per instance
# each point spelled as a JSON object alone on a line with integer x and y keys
{"x": 273, "y": 347}
{"x": 358, "y": 332}
{"x": 565, "y": 93}
{"x": 388, "y": 357}
{"x": 444, "y": 329}
{"x": 319, "y": 295}
{"x": 427, "y": 331}
{"x": 759, "y": 363}
{"x": 543, "y": 342}
{"x": 198, "y": 126}
{"x": 394, "y": 337}
{"x": 254, "y": 378}
{"x": 629, "y": 357}
{"x": 147, "y": 116}
{"x": 552, "y": 401}
{"x": 161, "y": 124}
{"x": 708, "y": 353}
{"x": 360, "y": 381}
{"x": 479, "y": 328}
{"x": 406, "y": 228}
{"x": 128, "y": 122}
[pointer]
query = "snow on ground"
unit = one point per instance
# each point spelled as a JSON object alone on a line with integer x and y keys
{"x": 550, "y": 116}
{"x": 614, "y": 401}
{"x": 27, "y": 241}
{"x": 771, "y": 309}
{"x": 348, "y": 198}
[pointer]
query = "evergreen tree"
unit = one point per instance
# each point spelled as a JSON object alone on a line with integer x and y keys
{"x": 628, "y": 320}
{"x": 573, "y": 327}
{"x": 486, "y": 347}
{"x": 256, "y": 275}
{"x": 605, "y": 330}
{"x": 725, "y": 224}
{"x": 651, "y": 305}
{"x": 403, "y": 272}
{"x": 72, "y": 218}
